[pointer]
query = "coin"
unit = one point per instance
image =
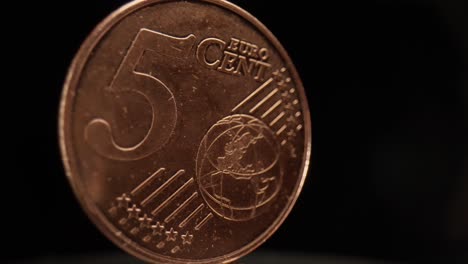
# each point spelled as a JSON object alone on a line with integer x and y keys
{"x": 185, "y": 131}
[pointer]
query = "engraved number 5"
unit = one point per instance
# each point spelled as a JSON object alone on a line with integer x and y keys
{"x": 98, "y": 132}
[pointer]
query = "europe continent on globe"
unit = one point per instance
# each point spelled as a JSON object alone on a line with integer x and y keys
{"x": 237, "y": 167}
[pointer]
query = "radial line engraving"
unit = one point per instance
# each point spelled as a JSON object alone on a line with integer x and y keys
{"x": 204, "y": 221}
{"x": 181, "y": 207}
{"x": 263, "y": 100}
{"x": 191, "y": 215}
{"x": 280, "y": 115}
{"x": 278, "y": 103}
{"x": 281, "y": 130}
{"x": 254, "y": 93}
{"x": 145, "y": 182}
{"x": 168, "y": 200}
{"x": 162, "y": 187}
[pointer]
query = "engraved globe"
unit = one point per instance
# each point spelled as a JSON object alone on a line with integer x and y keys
{"x": 237, "y": 167}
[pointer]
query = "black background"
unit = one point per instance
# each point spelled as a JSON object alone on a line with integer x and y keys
{"x": 387, "y": 86}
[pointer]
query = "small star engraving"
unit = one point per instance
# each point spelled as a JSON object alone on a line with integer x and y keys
{"x": 187, "y": 238}
{"x": 285, "y": 95}
{"x": 123, "y": 201}
{"x": 157, "y": 229}
{"x": 292, "y": 152}
{"x": 277, "y": 76}
{"x": 282, "y": 85}
{"x": 291, "y": 120}
{"x": 291, "y": 134}
{"x": 145, "y": 221}
{"x": 171, "y": 235}
{"x": 133, "y": 212}
{"x": 288, "y": 106}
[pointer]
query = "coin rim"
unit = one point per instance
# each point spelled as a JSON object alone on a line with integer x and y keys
{"x": 89, "y": 206}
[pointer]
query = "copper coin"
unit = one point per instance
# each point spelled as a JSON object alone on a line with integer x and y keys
{"x": 185, "y": 131}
